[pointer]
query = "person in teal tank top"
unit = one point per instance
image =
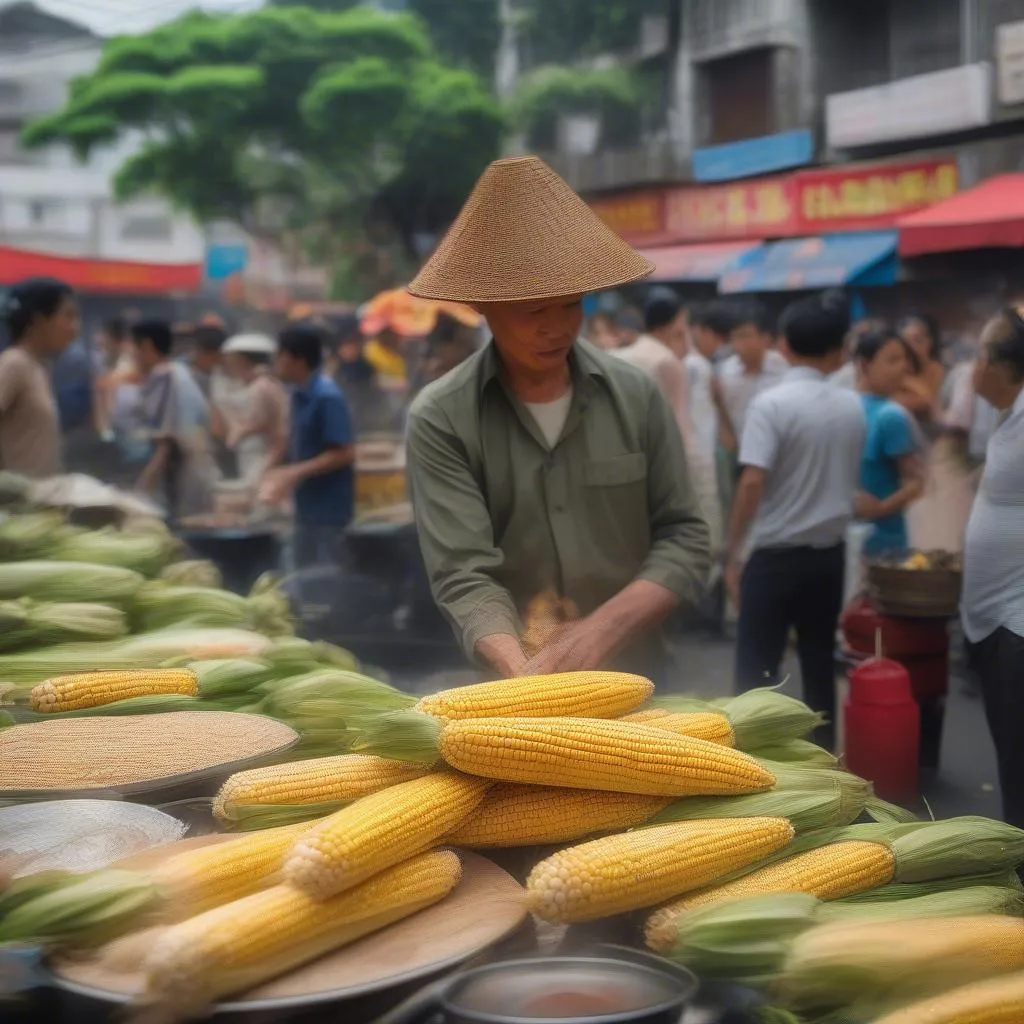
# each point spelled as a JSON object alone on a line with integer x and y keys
{"x": 891, "y": 474}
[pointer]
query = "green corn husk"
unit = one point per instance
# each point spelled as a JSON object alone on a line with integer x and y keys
{"x": 61, "y": 908}
{"x": 255, "y": 817}
{"x": 28, "y": 535}
{"x": 403, "y": 735}
{"x": 147, "y": 524}
{"x": 193, "y": 573}
{"x": 15, "y": 489}
{"x": 759, "y": 718}
{"x": 748, "y": 939}
{"x": 145, "y": 553}
{"x": 159, "y": 605}
{"x": 811, "y": 798}
{"x": 896, "y": 892}
{"x": 27, "y": 623}
{"x": 148, "y": 650}
{"x": 149, "y": 704}
{"x": 797, "y": 752}
{"x": 68, "y": 581}
{"x": 223, "y": 678}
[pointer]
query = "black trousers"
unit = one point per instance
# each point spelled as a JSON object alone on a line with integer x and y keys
{"x": 792, "y": 588}
{"x": 998, "y": 661}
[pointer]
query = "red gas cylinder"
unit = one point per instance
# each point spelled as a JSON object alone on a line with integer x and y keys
{"x": 882, "y": 725}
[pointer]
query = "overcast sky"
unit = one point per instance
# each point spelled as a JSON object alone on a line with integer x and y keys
{"x": 108, "y": 17}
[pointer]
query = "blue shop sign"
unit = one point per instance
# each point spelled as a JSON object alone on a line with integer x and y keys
{"x": 749, "y": 157}
{"x": 224, "y": 260}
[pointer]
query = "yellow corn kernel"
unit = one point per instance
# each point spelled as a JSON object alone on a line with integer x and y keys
{"x": 91, "y": 689}
{"x": 319, "y": 780}
{"x": 235, "y": 947}
{"x": 624, "y": 872}
{"x": 995, "y": 1001}
{"x": 704, "y": 725}
{"x": 895, "y": 960}
{"x": 581, "y": 753}
{"x": 829, "y": 872}
{"x": 512, "y": 815}
{"x": 646, "y": 715}
{"x": 587, "y": 694}
{"x": 196, "y": 880}
{"x": 380, "y": 830}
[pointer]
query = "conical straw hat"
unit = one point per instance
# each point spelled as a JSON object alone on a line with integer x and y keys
{"x": 524, "y": 234}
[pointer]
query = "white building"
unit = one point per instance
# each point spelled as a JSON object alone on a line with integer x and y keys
{"x": 49, "y": 201}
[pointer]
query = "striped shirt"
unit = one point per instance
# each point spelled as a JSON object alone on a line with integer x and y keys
{"x": 993, "y": 591}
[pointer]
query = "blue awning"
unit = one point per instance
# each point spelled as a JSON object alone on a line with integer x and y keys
{"x": 861, "y": 258}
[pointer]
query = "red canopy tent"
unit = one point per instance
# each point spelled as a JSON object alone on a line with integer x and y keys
{"x": 988, "y": 216}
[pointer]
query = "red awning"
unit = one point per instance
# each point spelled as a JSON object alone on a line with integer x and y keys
{"x": 120, "y": 276}
{"x": 988, "y": 216}
{"x": 705, "y": 262}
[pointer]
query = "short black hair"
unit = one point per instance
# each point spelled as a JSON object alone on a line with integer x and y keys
{"x": 871, "y": 341}
{"x": 817, "y": 325}
{"x": 209, "y": 337}
{"x": 750, "y": 311}
{"x": 157, "y": 332}
{"x": 931, "y": 326}
{"x": 35, "y": 296}
{"x": 715, "y": 316}
{"x": 303, "y": 341}
{"x": 1003, "y": 339}
{"x": 661, "y": 307}
{"x": 116, "y": 328}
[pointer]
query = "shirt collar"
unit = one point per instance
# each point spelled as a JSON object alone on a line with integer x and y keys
{"x": 307, "y": 390}
{"x": 584, "y": 362}
{"x": 804, "y": 373}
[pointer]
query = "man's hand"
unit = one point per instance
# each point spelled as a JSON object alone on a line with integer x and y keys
{"x": 580, "y": 646}
{"x": 867, "y": 506}
{"x": 503, "y": 652}
{"x": 731, "y": 580}
{"x": 277, "y": 484}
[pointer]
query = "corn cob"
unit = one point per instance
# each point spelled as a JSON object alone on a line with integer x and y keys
{"x": 196, "y": 880}
{"x": 708, "y": 726}
{"x": 302, "y": 787}
{"x": 237, "y": 946}
{"x": 618, "y": 757}
{"x": 889, "y": 962}
{"x": 380, "y": 830}
{"x": 590, "y": 694}
{"x": 624, "y": 872}
{"x": 89, "y": 689}
{"x": 512, "y": 815}
{"x": 995, "y": 1001}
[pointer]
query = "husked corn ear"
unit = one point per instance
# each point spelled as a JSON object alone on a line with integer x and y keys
{"x": 896, "y": 960}
{"x": 380, "y": 830}
{"x": 196, "y": 880}
{"x": 89, "y": 689}
{"x": 646, "y": 715}
{"x": 582, "y": 753}
{"x": 704, "y": 725}
{"x": 587, "y": 694}
{"x": 624, "y": 872}
{"x": 829, "y": 872}
{"x": 316, "y": 781}
{"x": 236, "y": 946}
{"x": 996, "y": 1001}
{"x": 512, "y": 815}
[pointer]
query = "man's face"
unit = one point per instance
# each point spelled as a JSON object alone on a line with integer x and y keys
{"x": 751, "y": 344}
{"x": 676, "y": 335}
{"x": 706, "y": 341}
{"x": 535, "y": 337}
{"x": 146, "y": 355}
{"x": 206, "y": 360}
{"x": 288, "y": 368}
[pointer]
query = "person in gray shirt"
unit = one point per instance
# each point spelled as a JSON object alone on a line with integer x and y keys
{"x": 800, "y": 455}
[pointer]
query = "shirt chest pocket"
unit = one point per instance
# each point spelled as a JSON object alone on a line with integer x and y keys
{"x": 625, "y": 471}
{"x": 615, "y": 504}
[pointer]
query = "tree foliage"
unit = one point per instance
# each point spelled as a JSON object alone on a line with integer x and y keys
{"x": 466, "y": 33}
{"x": 289, "y": 118}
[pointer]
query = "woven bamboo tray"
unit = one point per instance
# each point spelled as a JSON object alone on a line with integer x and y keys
{"x": 915, "y": 593}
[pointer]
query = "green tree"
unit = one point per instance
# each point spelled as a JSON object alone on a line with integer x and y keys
{"x": 466, "y": 32}
{"x": 342, "y": 128}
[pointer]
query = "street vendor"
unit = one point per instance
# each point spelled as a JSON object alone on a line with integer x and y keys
{"x": 541, "y": 463}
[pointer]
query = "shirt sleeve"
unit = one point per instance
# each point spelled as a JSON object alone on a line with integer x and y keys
{"x": 897, "y": 434}
{"x": 759, "y": 445}
{"x": 455, "y": 532}
{"x": 337, "y": 422}
{"x": 680, "y": 556}
{"x": 675, "y": 386}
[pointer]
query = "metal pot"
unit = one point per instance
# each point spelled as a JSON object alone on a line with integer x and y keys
{"x": 598, "y": 989}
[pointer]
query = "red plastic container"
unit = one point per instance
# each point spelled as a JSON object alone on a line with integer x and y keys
{"x": 882, "y": 726}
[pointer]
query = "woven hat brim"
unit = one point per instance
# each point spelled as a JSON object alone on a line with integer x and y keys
{"x": 525, "y": 235}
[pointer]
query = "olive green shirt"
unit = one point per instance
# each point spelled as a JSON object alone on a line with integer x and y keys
{"x": 502, "y": 518}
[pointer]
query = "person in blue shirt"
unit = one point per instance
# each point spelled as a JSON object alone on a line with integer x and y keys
{"x": 320, "y": 471}
{"x": 891, "y": 473}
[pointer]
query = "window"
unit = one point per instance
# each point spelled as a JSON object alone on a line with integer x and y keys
{"x": 45, "y": 212}
{"x": 739, "y": 97}
{"x": 152, "y": 228}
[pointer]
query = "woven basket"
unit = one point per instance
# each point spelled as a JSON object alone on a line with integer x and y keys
{"x": 914, "y": 593}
